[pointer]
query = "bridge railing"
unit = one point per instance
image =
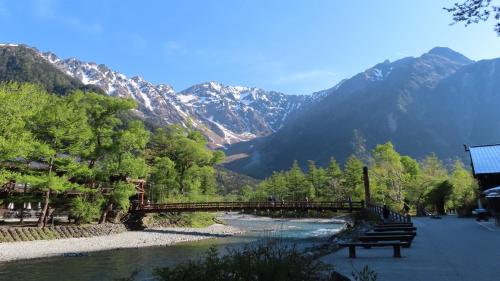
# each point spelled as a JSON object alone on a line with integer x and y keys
{"x": 343, "y": 205}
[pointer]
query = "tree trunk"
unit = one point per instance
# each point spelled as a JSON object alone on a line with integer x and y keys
{"x": 41, "y": 219}
{"x": 105, "y": 212}
{"x": 21, "y": 220}
{"x": 22, "y": 209}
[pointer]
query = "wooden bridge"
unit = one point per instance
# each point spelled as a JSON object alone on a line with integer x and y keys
{"x": 348, "y": 206}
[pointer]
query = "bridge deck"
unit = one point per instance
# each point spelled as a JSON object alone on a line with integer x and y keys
{"x": 237, "y": 206}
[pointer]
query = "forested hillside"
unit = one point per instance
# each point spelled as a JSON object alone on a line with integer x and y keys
{"x": 433, "y": 103}
{"x": 22, "y": 64}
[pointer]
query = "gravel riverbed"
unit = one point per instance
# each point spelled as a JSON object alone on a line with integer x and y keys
{"x": 129, "y": 239}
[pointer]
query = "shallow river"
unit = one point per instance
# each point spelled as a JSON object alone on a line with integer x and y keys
{"x": 110, "y": 265}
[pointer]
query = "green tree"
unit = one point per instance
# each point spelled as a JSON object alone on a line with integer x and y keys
{"x": 352, "y": 182}
{"x": 122, "y": 161}
{"x": 297, "y": 183}
{"x": 388, "y": 174}
{"x": 61, "y": 128}
{"x": 20, "y": 102}
{"x": 188, "y": 150}
{"x": 438, "y": 194}
{"x": 317, "y": 177}
{"x": 87, "y": 207}
{"x": 103, "y": 114}
{"x": 465, "y": 189}
{"x": 163, "y": 179}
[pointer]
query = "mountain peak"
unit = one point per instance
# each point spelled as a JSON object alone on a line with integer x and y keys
{"x": 449, "y": 54}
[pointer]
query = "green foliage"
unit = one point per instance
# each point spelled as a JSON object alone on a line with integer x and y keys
{"x": 438, "y": 195}
{"x": 398, "y": 181}
{"x": 196, "y": 220}
{"x": 465, "y": 188}
{"x": 87, "y": 208}
{"x": 121, "y": 193}
{"x": 267, "y": 261}
{"x": 89, "y": 143}
{"x": 193, "y": 161}
{"x": 353, "y": 178}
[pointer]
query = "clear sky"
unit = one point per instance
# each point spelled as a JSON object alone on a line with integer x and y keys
{"x": 295, "y": 47}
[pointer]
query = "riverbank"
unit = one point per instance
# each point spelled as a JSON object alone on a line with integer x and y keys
{"x": 129, "y": 239}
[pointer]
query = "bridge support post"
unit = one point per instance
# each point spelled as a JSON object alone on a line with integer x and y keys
{"x": 366, "y": 181}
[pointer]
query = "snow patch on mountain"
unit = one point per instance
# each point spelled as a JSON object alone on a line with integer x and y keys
{"x": 226, "y": 114}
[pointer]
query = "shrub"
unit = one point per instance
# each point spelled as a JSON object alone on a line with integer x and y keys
{"x": 86, "y": 210}
{"x": 270, "y": 260}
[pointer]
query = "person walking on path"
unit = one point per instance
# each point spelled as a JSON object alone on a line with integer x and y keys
{"x": 385, "y": 213}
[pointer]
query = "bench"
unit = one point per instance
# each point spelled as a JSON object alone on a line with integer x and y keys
{"x": 401, "y": 238}
{"x": 385, "y": 233}
{"x": 401, "y": 228}
{"x": 395, "y": 245}
{"x": 394, "y": 225}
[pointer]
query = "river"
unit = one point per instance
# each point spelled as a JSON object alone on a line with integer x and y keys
{"x": 110, "y": 265}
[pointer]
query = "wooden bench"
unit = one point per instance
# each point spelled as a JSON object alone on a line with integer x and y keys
{"x": 384, "y": 233}
{"x": 394, "y": 225}
{"x": 401, "y": 228}
{"x": 401, "y": 238}
{"x": 395, "y": 245}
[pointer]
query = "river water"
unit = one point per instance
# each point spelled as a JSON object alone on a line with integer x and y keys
{"x": 110, "y": 265}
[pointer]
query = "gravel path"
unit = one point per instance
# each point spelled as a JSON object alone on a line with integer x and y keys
{"x": 129, "y": 239}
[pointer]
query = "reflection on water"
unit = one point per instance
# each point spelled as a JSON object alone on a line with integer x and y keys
{"x": 109, "y": 265}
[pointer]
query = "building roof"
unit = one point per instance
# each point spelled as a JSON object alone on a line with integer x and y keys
{"x": 485, "y": 159}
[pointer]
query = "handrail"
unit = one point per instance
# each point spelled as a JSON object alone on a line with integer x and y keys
{"x": 393, "y": 216}
{"x": 344, "y": 205}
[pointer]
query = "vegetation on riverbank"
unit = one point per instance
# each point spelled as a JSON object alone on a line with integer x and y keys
{"x": 270, "y": 260}
{"x": 196, "y": 220}
{"x": 399, "y": 181}
{"x": 267, "y": 260}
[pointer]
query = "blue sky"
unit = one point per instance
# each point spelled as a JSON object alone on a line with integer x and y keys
{"x": 296, "y": 47}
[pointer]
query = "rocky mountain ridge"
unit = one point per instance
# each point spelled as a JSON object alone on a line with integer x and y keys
{"x": 226, "y": 114}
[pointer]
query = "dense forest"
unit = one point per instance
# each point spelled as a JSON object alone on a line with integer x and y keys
{"x": 85, "y": 151}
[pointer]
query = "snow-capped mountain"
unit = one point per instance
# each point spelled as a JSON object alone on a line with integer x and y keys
{"x": 238, "y": 113}
{"x": 226, "y": 114}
